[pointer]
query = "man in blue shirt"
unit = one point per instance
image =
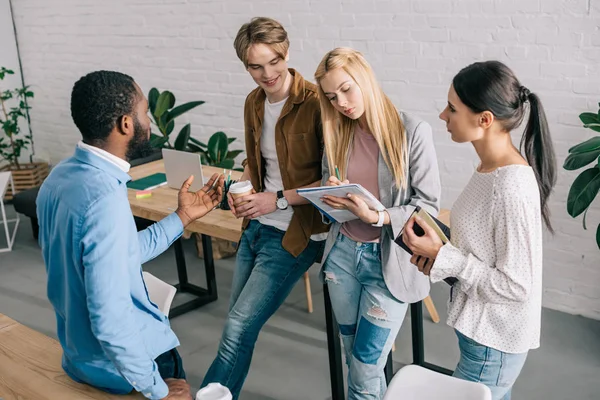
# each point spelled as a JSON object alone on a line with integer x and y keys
{"x": 112, "y": 335}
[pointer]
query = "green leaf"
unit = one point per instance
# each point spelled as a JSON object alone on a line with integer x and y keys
{"x": 588, "y": 145}
{"x": 165, "y": 101}
{"x": 577, "y": 160}
{"x": 232, "y": 154}
{"x": 170, "y": 127}
{"x": 183, "y": 108}
{"x": 594, "y": 127}
{"x": 589, "y": 118}
{"x": 217, "y": 147}
{"x": 583, "y": 191}
{"x": 598, "y": 236}
{"x": 195, "y": 149}
{"x": 198, "y": 143}
{"x": 227, "y": 164}
{"x": 152, "y": 99}
{"x": 182, "y": 139}
{"x": 157, "y": 141}
{"x": 162, "y": 124}
{"x": 231, "y": 140}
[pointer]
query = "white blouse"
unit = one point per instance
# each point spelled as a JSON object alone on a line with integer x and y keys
{"x": 496, "y": 254}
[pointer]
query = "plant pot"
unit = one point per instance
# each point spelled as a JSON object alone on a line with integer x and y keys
{"x": 28, "y": 176}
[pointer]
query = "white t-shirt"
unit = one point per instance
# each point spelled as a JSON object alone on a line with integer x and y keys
{"x": 279, "y": 219}
{"x": 496, "y": 253}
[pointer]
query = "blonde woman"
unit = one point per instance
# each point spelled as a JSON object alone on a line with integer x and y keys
{"x": 391, "y": 154}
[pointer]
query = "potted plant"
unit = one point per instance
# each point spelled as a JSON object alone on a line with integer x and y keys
{"x": 586, "y": 186}
{"x": 13, "y": 109}
{"x": 164, "y": 112}
{"x": 216, "y": 153}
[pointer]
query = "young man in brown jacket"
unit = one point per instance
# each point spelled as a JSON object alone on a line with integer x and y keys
{"x": 283, "y": 233}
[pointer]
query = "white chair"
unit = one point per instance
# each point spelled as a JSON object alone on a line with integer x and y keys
{"x": 417, "y": 383}
{"x": 160, "y": 292}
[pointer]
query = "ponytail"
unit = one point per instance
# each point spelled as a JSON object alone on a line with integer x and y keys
{"x": 537, "y": 146}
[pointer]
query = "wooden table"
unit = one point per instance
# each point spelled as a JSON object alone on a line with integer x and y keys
{"x": 218, "y": 223}
{"x": 30, "y": 368}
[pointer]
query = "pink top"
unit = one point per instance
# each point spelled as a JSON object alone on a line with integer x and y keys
{"x": 362, "y": 169}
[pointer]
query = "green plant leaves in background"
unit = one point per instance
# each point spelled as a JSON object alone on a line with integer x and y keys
{"x": 152, "y": 99}
{"x": 163, "y": 111}
{"x": 577, "y": 160}
{"x": 166, "y": 100}
{"x": 183, "y": 108}
{"x": 583, "y": 191}
{"x": 590, "y": 120}
{"x": 217, "y": 147}
{"x": 183, "y": 137}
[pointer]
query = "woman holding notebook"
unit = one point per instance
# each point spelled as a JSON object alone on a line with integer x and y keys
{"x": 391, "y": 154}
{"x": 496, "y": 245}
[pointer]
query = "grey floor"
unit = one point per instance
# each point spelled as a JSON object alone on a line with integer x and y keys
{"x": 290, "y": 360}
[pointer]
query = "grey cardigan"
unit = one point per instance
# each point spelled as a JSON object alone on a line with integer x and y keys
{"x": 423, "y": 188}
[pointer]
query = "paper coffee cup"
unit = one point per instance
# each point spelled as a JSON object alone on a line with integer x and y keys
{"x": 240, "y": 189}
{"x": 214, "y": 391}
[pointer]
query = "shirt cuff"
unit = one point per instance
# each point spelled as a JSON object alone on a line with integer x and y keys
{"x": 158, "y": 390}
{"x": 449, "y": 263}
{"x": 172, "y": 226}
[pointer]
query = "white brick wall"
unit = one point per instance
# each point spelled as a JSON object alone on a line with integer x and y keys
{"x": 415, "y": 46}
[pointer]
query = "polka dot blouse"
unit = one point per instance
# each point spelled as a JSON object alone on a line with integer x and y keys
{"x": 496, "y": 254}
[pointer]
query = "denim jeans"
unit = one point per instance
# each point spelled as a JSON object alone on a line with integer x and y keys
{"x": 264, "y": 276}
{"x": 369, "y": 317}
{"x": 494, "y": 368}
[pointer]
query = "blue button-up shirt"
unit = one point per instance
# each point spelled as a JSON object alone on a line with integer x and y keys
{"x": 109, "y": 329}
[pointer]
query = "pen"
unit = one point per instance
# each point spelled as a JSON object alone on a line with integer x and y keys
{"x": 337, "y": 173}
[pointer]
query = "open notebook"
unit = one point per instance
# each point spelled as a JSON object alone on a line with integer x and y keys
{"x": 314, "y": 195}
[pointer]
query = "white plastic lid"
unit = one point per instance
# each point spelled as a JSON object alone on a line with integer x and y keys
{"x": 240, "y": 187}
{"x": 214, "y": 391}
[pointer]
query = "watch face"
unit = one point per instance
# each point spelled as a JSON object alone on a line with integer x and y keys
{"x": 282, "y": 203}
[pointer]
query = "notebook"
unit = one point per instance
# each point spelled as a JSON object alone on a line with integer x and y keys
{"x": 315, "y": 194}
{"x": 442, "y": 230}
{"x": 148, "y": 182}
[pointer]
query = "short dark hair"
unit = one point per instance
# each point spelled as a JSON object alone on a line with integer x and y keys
{"x": 99, "y": 100}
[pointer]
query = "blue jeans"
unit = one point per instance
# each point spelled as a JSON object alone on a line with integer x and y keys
{"x": 265, "y": 274}
{"x": 494, "y": 368}
{"x": 369, "y": 317}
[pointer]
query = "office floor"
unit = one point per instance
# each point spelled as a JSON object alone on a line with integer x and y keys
{"x": 290, "y": 360}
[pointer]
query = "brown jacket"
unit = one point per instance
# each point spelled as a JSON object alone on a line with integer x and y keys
{"x": 299, "y": 144}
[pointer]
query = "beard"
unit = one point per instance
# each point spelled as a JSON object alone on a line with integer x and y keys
{"x": 139, "y": 146}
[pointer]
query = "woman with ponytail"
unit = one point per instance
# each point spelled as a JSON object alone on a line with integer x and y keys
{"x": 496, "y": 246}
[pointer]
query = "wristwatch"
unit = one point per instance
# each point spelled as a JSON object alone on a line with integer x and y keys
{"x": 379, "y": 222}
{"x": 282, "y": 203}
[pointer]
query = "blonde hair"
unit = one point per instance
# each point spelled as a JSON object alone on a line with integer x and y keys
{"x": 261, "y": 30}
{"x": 383, "y": 119}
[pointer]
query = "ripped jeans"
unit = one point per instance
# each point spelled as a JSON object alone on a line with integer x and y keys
{"x": 369, "y": 317}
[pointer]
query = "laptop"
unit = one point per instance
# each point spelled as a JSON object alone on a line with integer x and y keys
{"x": 179, "y": 165}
